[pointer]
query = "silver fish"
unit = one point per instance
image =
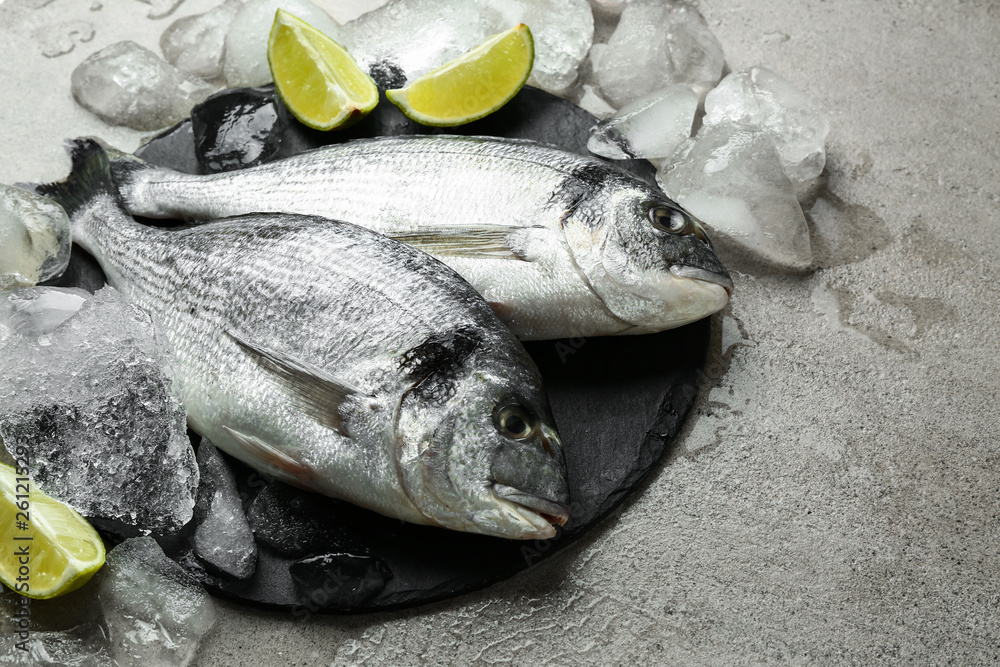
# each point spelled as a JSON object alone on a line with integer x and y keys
{"x": 338, "y": 360}
{"x": 559, "y": 244}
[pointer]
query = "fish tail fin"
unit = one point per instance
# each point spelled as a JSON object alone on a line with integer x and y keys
{"x": 89, "y": 178}
{"x": 126, "y": 168}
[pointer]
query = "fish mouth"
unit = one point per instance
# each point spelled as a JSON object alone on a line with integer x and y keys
{"x": 553, "y": 512}
{"x": 694, "y": 273}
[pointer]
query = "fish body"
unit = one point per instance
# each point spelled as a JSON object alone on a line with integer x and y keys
{"x": 559, "y": 244}
{"x": 338, "y": 360}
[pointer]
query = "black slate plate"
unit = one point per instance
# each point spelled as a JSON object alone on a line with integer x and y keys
{"x": 618, "y": 402}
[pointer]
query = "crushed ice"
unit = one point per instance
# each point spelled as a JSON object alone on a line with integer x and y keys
{"x": 90, "y": 395}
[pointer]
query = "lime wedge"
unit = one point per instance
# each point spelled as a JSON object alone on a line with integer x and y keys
{"x": 474, "y": 85}
{"x": 48, "y": 548}
{"x": 319, "y": 81}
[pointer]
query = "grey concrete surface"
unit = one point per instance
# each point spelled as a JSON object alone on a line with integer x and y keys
{"x": 833, "y": 498}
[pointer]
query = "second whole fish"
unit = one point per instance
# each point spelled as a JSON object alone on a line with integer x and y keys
{"x": 338, "y": 360}
{"x": 559, "y": 244}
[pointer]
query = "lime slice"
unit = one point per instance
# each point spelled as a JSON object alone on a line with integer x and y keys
{"x": 475, "y": 84}
{"x": 48, "y": 548}
{"x": 319, "y": 82}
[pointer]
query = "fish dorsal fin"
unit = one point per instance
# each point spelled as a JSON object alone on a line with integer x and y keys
{"x": 279, "y": 463}
{"x": 316, "y": 392}
{"x": 433, "y": 364}
{"x": 462, "y": 240}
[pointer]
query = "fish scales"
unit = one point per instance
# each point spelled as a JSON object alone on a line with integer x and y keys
{"x": 265, "y": 312}
{"x": 560, "y": 244}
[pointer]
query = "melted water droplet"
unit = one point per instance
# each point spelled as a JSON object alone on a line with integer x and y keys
{"x": 61, "y": 38}
{"x": 161, "y": 8}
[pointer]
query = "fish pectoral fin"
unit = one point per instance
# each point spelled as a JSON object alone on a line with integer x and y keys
{"x": 317, "y": 393}
{"x": 462, "y": 240}
{"x": 276, "y": 461}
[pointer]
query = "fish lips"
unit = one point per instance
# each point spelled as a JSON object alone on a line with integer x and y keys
{"x": 555, "y": 513}
{"x": 704, "y": 275}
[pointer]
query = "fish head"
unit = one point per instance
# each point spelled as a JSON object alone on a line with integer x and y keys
{"x": 478, "y": 449}
{"x": 648, "y": 260}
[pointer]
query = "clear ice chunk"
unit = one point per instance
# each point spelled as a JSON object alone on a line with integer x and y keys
{"x": 343, "y": 11}
{"x": 36, "y": 311}
{"x": 34, "y": 238}
{"x": 82, "y": 646}
{"x": 609, "y": 7}
{"x": 126, "y": 84}
{"x": 194, "y": 44}
{"x": 563, "y": 31}
{"x": 654, "y": 45}
{"x": 405, "y": 39}
{"x": 651, "y": 127}
{"x": 223, "y": 539}
{"x": 245, "y": 61}
{"x": 731, "y": 178}
{"x": 758, "y": 97}
{"x": 155, "y": 612}
{"x": 593, "y": 104}
{"x": 91, "y": 399}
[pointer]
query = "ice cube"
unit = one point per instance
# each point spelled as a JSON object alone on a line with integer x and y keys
{"x": 563, "y": 31}
{"x": 222, "y": 539}
{"x": 126, "y": 84}
{"x": 92, "y": 402}
{"x": 34, "y": 238}
{"x": 155, "y": 612}
{"x": 343, "y": 11}
{"x": 656, "y": 44}
{"x": 237, "y": 128}
{"x": 407, "y": 38}
{"x": 194, "y": 44}
{"x": 651, "y": 127}
{"x": 608, "y": 7}
{"x": 760, "y": 98}
{"x": 245, "y": 60}
{"x": 62, "y": 631}
{"x": 593, "y": 104}
{"x": 82, "y": 646}
{"x": 731, "y": 178}
{"x": 35, "y": 311}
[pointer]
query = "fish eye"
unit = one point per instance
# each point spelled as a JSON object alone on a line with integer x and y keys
{"x": 515, "y": 422}
{"x": 670, "y": 219}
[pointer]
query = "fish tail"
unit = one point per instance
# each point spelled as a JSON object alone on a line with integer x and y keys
{"x": 126, "y": 168}
{"x": 89, "y": 178}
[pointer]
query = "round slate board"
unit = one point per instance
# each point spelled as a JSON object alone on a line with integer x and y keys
{"x": 617, "y": 402}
